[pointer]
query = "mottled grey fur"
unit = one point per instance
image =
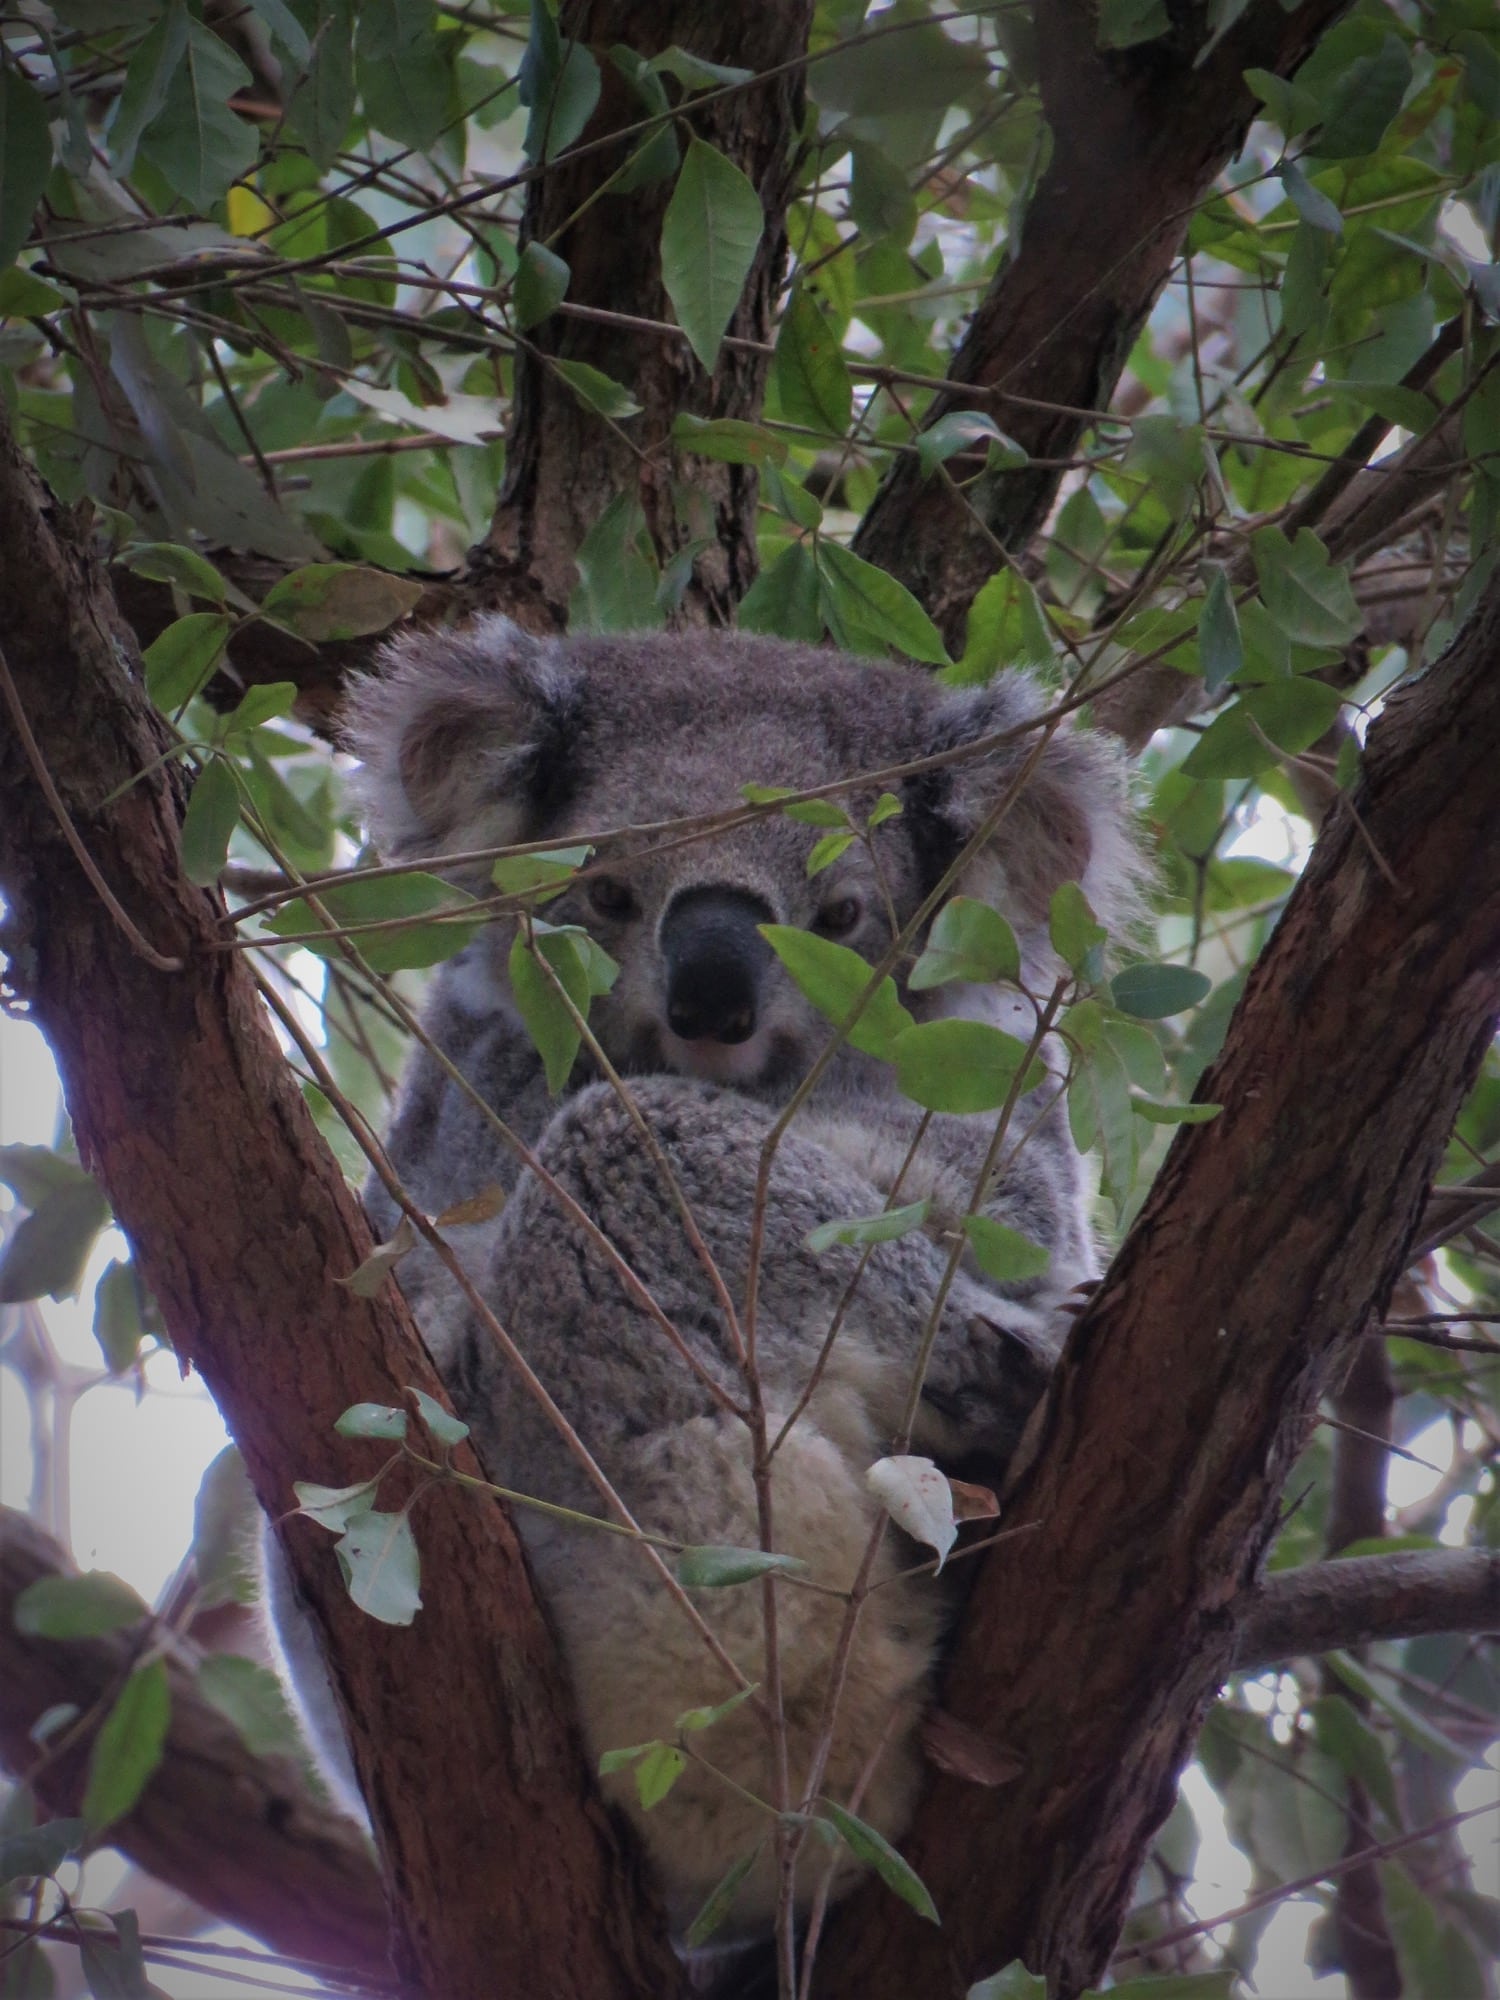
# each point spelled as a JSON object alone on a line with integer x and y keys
{"x": 491, "y": 737}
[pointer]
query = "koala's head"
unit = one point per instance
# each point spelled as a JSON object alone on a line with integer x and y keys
{"x": 489, "y": 737}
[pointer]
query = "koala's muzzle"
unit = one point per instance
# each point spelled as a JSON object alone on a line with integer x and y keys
{"x": 715, "y": 960}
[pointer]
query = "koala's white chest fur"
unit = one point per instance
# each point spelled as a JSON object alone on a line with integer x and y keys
{"x": 491, "y": 737}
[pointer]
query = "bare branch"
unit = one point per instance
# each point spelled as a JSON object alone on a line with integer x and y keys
{"x": 1355, "y": 1601}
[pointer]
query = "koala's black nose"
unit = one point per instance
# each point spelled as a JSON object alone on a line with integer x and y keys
{"x": 715, "y": 958}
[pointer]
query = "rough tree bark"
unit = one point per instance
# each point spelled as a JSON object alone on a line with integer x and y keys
{"x": 184, "y": 1106}
{"x": 1268, "y": 1241}
{"x": 1138, "y": 136}
{"x": 244, "y": 1833}
{"x": 563, "y": 467}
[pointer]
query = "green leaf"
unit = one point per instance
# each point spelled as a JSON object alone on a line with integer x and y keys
{"x": 32, "y": 1173}
{"x": 617, "y": 580}
{"x": 1219, "y": 645}
{"x": 409, "y": 92}
{"x": 881, "y": 202}
{"x": 541, "y": 284}
{"x": 196, "y": 140}
{"x": 710, "y": 1566}
{"x": 828, "y": 850}
{"x": 48, "y": 1249}
{"x": 958, "y": 431}
{"x": 720, "y": 1899}
{"x": 968, "y": 941}
{"x": 657, "y": 1771}
{"x": 518, "y": 874}
{"x": 320, "y": 108}
{"x": 833, "y": 977}
{"x": 226, "y": 1519}
{"x": 1076, "y": 932}
{"x": 1151, "y": 992}
{"x": 25, "y": 160}
{"x": 1412, "y": 1724}
{"x": 170, "y": 562}
{"x": 445, "y": 1427}
{"x": 382, "y": 899}
{"x": 331, "y": 601}
{"x": 728, "y": 440}
{"x": 1481, "y": 60}
{"x": 598, "y": 391}
{"x": 23, "y": 295}
{"x": 1249, "y": 736}
{"x": 378, "y": 1556}
{"x": 1311, "y": 203}
{"x": 128, "y": 1747}
{"x": 1173, "y": 1114}
{"x": 817, "y": 812}
{"x": 148, "y": 77}
{"x": 113, "y": 1965}
{"x": 1006, "y": 624}
{"x": 559, "y": 83}
{"x": 1309, "y": 596}
{"x": 812, "y": 382}
{"x": 960, "y": 1065}
{"x": 40, "y": 1851}
{"x": 1124, "y": 23}
{"x": 694, "y": 73}
{"x": 541, "y": 1006}
{"x": 1012, "y": 1982}
{"x": 250, "y": 1697}
{"x": 866, "y": 1845}
{"x": 118, "y": 1325}
{"x": 213, "y": 814}
{"x": 334, "y": 1507}
{"x": 1342, "y": 1733}
{"x": 372, "y": 1420}
{"x": 882, "y": 1227}
{"x": 617, "y": 1760}
{"x": 868, "y": 611}
{"x": 694, "y": 1719}
{"x": 77, "y": 1607}
{"x": 1364, "y": 101}
{"x": 784, "y": 598}
{"x": 180, "y": 660}
{"x": 1101, "y": 1114}
{"x": 709, "y": 237}
{"x": 263, "y": 703}
{"x": 1003, "y": 1253}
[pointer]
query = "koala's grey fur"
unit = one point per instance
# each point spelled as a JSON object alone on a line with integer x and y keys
{"x": 491, "y": 737}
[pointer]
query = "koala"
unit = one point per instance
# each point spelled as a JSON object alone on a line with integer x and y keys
{"x": 490, "y": 737}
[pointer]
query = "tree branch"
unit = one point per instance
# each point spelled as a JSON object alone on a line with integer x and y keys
{"x": 1357, "y": 1600}
{"x": 1138, "y": 136}
{"x": 242, "y": 1835}
{"x": 1191, "y": 1381}
{"x": 242, "y": 1224}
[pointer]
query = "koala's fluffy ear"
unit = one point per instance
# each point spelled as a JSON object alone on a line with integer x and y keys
{"x": 1070, "y": 822}
{"x": 465, "y": 738}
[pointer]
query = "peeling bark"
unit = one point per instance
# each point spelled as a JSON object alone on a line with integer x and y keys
{"x": 1270, "y": 1237}
{"x": 496, "y": 1852}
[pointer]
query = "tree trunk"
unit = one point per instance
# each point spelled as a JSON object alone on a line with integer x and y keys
{"x": 1268, "y": 1241}
{"x": 496, "y": 1853}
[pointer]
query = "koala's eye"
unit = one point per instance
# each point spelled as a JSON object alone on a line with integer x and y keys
{"x": 837, "y": 918}
{"x": 612, "y": 898}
